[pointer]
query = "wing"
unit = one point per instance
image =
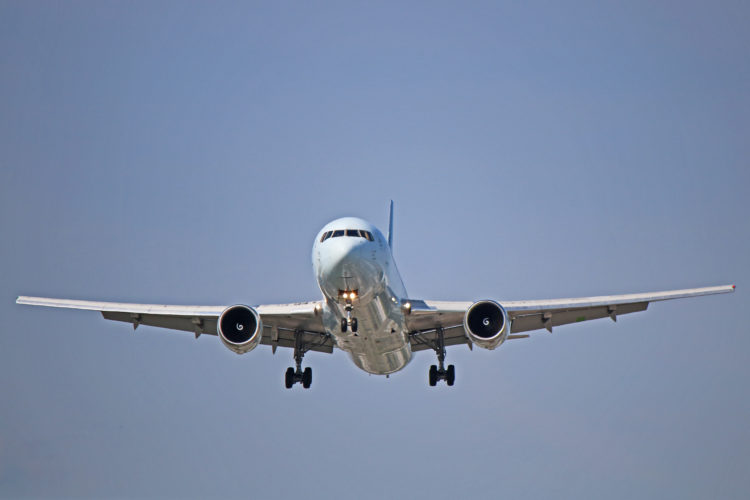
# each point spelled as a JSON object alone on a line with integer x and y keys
{"x": 528, "y": 315}
{"x": 280, "y": 321}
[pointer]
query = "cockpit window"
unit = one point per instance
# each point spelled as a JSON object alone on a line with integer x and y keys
{"x": 355, "y": 233}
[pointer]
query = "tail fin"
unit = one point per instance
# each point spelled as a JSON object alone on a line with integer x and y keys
{"x": 390, "y": 228}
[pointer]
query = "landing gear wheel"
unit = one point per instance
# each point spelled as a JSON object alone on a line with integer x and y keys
{"x": 433, "y": 376}
{"x": 307, "y": 378}
{"x": 289, "y": 378}
{"x": 450, "y": 375}
{"x": 344, "y": 325}
{"x": 354, "y": 325}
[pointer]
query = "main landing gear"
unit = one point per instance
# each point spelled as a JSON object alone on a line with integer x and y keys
{"x": 439, "y": 372}
{"x": 292, "y": 375}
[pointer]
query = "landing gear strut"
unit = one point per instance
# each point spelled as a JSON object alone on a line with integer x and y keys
{"x": 292, "y": 375}
{"x": 439, "y": 372}
{"x": 348, "y": 322}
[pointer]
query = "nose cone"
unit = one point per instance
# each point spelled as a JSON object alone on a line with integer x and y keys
{"x": 348, "y": 263}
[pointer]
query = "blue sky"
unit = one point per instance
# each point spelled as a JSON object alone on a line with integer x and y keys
{"x": 188, "y": 153}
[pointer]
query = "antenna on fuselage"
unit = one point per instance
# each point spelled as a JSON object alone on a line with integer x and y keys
{"x": 390, "y": 228}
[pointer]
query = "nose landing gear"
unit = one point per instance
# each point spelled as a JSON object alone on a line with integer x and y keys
{"x": 349, "y": 321}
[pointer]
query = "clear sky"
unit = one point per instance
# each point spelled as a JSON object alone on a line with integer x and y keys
{"x": 187, "y": 153}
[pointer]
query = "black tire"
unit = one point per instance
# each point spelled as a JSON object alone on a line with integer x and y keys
{"x": 450, "y": 374}
{"x": 343, "y": 325}
{"x": 433, "y": 376}
{"x": 354, "y": 325}
{"x": 307, "y": 377}
{"x": 289, "y": 378}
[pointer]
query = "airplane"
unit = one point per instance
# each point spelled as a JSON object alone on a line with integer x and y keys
{"x": 366, "y": 311}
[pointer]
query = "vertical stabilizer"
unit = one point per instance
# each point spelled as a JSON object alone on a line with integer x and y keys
{"x": 390, "y": 228}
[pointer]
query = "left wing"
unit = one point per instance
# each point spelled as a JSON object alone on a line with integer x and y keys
{"x": 280, "y": 321}
{"x": 528, "y": 315}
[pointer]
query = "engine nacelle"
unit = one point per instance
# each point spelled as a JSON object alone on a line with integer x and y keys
{"x": 239, "y": 328}
{"x": 486, "y": 323}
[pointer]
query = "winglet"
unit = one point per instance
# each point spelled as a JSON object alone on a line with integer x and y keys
{"x": 390, "y": 228}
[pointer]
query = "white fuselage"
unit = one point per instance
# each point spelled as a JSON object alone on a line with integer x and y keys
{"x": 345, "y": 263}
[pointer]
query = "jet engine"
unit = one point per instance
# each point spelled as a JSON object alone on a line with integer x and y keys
{"x": 486, "y": 323}
{"x": 239, "y": 328}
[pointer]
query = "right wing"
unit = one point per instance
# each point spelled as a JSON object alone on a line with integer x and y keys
{"x": 528, "y": 315}
{"x": 280, "y": 321}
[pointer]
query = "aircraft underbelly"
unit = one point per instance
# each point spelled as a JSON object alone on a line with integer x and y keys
{"x": 381, "y": 344}
{"x": 381, "y": 356}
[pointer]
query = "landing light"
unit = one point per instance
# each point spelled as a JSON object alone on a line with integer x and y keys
{"x": 348, "y": 294}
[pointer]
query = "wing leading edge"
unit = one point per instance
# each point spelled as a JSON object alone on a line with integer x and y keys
{"x": 529, "y": 315}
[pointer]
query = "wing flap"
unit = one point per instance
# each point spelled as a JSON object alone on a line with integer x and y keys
{"x": 312, "y": 340}
{"x": 427, "y": 315}
{"x": 195, "y": 324}
{"x": 452, "y": 335}
{"x": 557, "y": 317}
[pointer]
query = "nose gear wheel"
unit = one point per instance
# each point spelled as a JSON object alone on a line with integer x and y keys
{"x": 349, "y": 322}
